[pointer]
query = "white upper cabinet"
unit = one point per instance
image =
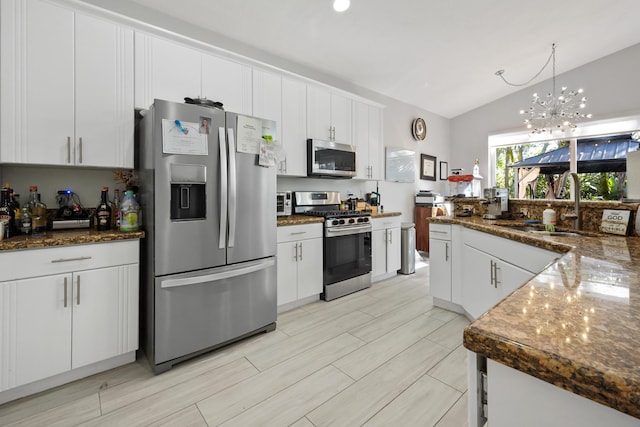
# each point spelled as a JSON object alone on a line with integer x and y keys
{"x": 367, "y": 137}
{"x": 328, "y": 115}
{"x": 165, "y": 70}
{"x": 173, "y": 71}
{"x": 227, "y": 82}
{"x": 67, "y": 84}
{"x": 294, "y": 128}
{"x": 267, "y": 96}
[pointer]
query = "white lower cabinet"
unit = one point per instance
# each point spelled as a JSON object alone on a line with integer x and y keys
{"x": 494, "y": 267}
{"x": 299, "y": 262}
{"x": 385, "y": 247}
{"x": 80, "y": 308}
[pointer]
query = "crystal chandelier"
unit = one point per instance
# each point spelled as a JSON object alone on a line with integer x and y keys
{"x": 555, "y": 111}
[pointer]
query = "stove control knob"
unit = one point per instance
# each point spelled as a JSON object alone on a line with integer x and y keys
{"x": 365, "y": 219}
{"x": 334, "y": 222}
{"x": 342, "y": 221}
{"x": 351, "y": 221}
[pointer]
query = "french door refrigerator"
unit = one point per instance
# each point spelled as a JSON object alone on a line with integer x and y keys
{"x": 208, "y": 209}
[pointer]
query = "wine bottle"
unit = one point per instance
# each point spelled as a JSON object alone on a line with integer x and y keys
{"x": 103, "y": 211}
{"x": 7, "y": 214}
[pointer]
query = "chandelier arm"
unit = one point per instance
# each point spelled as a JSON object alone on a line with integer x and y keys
{"x": 500, "y": 73}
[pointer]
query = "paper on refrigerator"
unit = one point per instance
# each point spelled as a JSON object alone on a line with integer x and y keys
{"x": 183, "y": 138}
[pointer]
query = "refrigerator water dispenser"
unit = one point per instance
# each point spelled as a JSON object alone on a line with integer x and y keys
{"x": 188, "y": 192}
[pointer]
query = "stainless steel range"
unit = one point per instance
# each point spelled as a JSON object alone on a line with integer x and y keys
{"x": 346, "y": 243}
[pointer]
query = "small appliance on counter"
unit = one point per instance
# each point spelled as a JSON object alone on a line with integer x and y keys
{"x": 283, "y": 203}
{"x": 70, "y": 213}
{"x": 429, "y": 199}
{"x": 497, "y": 201}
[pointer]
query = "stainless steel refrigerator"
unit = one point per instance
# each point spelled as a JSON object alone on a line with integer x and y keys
{"x": 208, "y": 210}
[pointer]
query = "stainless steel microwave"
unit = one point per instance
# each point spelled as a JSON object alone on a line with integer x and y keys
{"x": 328, "y": 159}
{"x": 283, "y": 203}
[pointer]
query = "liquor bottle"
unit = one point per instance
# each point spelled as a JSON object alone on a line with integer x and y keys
{"x": 38, "y": 211}
{"x": 103, "y": 211}
{"x": 15, "y": 204}
{"x": 129, "y": 213}
{"x": 7, "y": 214}
{"x": 25, "y": 222}
{"x": 115, "y": 210}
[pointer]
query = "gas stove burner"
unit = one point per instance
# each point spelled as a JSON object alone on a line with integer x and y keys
{"x": 335, "y": 213}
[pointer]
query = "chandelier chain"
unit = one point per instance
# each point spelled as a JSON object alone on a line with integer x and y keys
{"x": 500, "y": 73}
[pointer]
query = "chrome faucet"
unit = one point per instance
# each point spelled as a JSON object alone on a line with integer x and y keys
{"x": 575, "y": 215}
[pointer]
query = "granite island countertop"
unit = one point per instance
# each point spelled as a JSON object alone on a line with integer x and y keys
{"x": 65, "y": 237}
{"x": 577, "y": 323}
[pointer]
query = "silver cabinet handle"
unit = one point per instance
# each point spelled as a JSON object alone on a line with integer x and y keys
{"x": 78, "y": 288}
{"x": 80, "y": 258}
{"x": 390, "y": 236}
{"x": 492, "y": 273}
{"x": 80, "y": 150}
{"x": 446, "y": 251}
{"x": 68, "y": 149}
{"x": 295, "y": 255}
{"x": 300, "y": 251}
{"x": 297, "y": 232}
{"x": 65, "y": 292}
{"x": 495, "y": 274}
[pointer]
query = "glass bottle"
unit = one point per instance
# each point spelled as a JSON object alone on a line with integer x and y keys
{"x": 103, "y": 211}
{"x": 129, "y": 213}
{"x": 38, "y": 211}
{"x": 16, "y": 209}
{"x": 115, "y": 210}
{"x": 7, "y": 214}
{"x": 26, "y": 223}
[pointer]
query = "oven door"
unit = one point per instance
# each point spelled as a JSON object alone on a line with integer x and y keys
{"x": 347, "y": 253}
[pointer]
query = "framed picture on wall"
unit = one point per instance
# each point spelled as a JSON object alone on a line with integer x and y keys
{"x": 427, "y": 167}
{"x": 444, "y": 171}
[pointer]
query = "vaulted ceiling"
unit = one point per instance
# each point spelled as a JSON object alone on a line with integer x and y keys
{"x": 438, "y": 55}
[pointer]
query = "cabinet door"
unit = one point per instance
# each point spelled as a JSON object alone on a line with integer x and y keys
{"x": 376, "y": 146}
{"x": 319, "y": 113}
{"x": 440, "y": 269}
{"x": 294, "y": 128}
{"x": 378, "y": 252}
{"x": 227, "y": 82}
{"x": 37, "y": 83}
{"x": 287, "y": 272}
{"x": 165, "y": 70}
{"x": 267, "y": 96}
{"x": 480, "y": 294}
{"x": 105, "y": 323}
{"x": 36, "y": 329}
{"x": 310, "y": 268}
{"x": 361, "y": 139}
{"x": 510, "y": 278}
{"x": 393, "y": 250}
{"x": 341, "y": 118}
{"x": 104, "y": 93}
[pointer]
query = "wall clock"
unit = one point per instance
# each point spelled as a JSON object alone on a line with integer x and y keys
{"x": 419, "y": 129}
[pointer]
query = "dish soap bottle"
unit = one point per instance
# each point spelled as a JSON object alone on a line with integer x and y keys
{"x": 549, "y": 218}
{"x": 476, "y": 168}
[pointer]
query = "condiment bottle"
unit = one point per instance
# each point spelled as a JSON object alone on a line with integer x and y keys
{"x": 129, "y": 213}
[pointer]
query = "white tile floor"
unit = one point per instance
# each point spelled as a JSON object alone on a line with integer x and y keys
{"x": 383, "y": 356}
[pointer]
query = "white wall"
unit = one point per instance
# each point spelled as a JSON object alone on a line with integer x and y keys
{"x": 611, "y": 85}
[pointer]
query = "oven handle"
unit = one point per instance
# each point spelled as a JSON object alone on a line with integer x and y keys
{"x": 335, "y": 232}
{"x": 196, "y": 280}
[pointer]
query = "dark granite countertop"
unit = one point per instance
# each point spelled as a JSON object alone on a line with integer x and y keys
{"x": 577, "y": 323}
{"x": 65, "y": 237}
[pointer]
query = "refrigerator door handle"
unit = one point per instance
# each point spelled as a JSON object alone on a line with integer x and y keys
{"x": 223, "y": 188}
{"x": 187, "y": 281}
{"x": 232, "y": 188}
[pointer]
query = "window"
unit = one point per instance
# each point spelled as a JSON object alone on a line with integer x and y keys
{"x": 539, "y": 169}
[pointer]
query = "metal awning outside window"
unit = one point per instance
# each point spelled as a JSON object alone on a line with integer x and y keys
{"x": 605, "y": 154}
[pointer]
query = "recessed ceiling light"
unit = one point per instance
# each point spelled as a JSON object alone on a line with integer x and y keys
{"x": 341, "y": 5}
